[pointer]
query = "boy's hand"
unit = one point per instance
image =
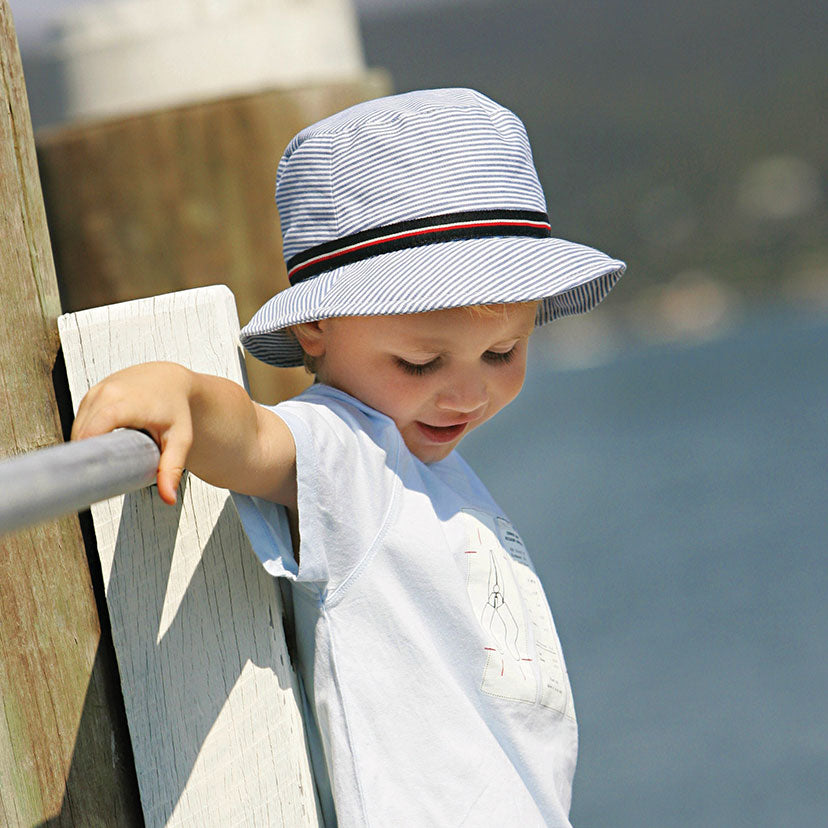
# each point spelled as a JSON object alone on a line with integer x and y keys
{"x": 153, "y": 397}
{"x": 206, "y": 423}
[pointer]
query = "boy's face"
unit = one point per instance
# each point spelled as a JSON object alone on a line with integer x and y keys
{"x": 438, "y": 375}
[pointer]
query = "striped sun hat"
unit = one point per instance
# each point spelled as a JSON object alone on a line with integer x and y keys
{"x": 413, "y": 203}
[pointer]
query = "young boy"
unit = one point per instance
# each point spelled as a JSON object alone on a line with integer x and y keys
{"x": 420, "y": 258}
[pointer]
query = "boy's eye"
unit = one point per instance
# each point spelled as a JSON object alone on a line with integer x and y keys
{"x": 417, "y": 369}
{"x": 498, "y": 357}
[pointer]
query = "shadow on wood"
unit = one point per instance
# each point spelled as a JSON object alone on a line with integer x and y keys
{"x": 120, "y": 812}
{"x": 91, "y": 740}
{"x": 206, "y": 641}
{"x": 201, "y": 657}
{"x": 193, "y": 643}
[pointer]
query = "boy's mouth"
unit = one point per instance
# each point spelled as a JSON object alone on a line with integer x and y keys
{"x": 441, "y": 434}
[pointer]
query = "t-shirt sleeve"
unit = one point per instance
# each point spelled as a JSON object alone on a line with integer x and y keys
{"x": 346, "y": 478}
{"x": 267, "y": 528}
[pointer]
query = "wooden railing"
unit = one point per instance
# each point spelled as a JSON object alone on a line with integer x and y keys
{"x": 199, "y": 720}
{"x": 212, "y": 700}
{"x": 211, "y": 696}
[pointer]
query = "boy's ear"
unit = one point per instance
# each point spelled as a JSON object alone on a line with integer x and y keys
{"x": 310, "y": 337}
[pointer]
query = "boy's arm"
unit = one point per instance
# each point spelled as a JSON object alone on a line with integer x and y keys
{"x": 204, "y": 423}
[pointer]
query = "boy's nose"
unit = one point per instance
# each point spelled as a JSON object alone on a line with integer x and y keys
{"x": 463, "y": 396}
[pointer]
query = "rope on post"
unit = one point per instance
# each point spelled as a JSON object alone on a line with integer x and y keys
{"x": 54, "y": 481}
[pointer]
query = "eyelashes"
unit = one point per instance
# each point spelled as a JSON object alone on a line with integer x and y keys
{"x": 499, "y": 357}
{"x": 417, "y": 369}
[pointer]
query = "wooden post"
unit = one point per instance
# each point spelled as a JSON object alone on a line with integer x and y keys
{"x": 210, "y": 692}
{"x": 180, "y": 198}
{"x": 63, "y": 757}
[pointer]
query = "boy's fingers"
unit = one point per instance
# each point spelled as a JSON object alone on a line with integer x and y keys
{"x": 168, "y": 480}
{"x": 86, "y": 409}
{"x": 175, "y": 446}
{"x": 100, "y": 412}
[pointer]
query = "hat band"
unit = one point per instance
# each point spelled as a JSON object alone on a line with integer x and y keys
{"x": 471, "y": 224}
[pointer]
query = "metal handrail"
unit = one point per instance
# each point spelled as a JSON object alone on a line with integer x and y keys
{"x": 54, "y": 481}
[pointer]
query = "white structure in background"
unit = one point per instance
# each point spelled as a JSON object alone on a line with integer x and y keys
{"x": 130, "y": 56}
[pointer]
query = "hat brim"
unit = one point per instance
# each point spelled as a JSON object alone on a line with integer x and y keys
{"x": 565, "y": 277}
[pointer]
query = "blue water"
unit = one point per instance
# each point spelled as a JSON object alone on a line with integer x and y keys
{"x": 675, "y": 501}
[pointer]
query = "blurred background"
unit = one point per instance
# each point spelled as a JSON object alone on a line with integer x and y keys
{"x": 667, "y": 462}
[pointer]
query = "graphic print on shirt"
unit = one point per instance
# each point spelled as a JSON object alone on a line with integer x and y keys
{"x": 520, "y": 641}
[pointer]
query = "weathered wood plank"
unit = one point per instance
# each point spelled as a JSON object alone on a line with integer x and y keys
{"x": 61, "y": 756}
{"x": 209, "y": 690}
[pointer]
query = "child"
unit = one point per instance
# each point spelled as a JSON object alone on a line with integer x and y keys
{"x": 420, "y": 259}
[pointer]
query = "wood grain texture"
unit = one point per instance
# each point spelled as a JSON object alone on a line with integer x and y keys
{"x": 61, "y": 756}
{"x": 181, "y": 198}
{"x": 210, "y": 693}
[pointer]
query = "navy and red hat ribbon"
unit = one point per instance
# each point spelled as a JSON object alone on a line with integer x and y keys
{"x": 472, "y": 224}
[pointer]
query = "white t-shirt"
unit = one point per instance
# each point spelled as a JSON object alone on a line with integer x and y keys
{"x": 426, "y": 644}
